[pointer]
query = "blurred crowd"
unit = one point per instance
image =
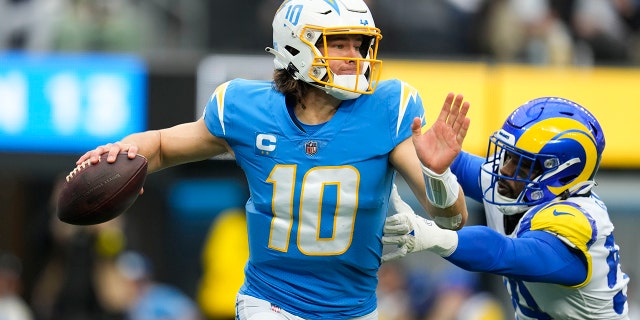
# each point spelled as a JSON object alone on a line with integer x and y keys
{"x": 546, "y": 32}
{"x": 552, "y": 32}
{"x": 134, "y": 26}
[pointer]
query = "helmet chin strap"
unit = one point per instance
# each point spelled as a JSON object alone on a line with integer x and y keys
{"x": 510, "y": 209}
{"x": 577, "y": 190}
{"x": 347, "y": 81}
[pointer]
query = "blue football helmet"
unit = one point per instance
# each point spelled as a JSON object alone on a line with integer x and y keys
{"x": 558, "y": 146}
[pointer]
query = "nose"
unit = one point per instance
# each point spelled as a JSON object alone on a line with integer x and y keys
{"x": 352, "y": 54}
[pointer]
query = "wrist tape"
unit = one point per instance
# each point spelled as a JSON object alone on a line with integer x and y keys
{"x": 451, "y": 223}
{"x": 442, "y": 189}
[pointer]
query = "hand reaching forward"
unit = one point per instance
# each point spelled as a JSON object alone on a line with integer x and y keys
{"x": 440, "y": 144}
{"x": 409, "y": 233}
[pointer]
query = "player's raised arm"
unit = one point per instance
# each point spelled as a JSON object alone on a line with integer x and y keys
{"x": 436, "y": 148}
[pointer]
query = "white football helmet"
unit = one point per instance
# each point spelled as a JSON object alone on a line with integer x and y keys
{"x": 300, "y": 25}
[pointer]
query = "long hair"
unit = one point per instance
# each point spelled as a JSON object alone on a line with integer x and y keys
{"x": 290, "y": 87}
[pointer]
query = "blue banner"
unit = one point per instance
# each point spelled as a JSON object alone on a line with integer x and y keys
{"x": 69, "y": 103}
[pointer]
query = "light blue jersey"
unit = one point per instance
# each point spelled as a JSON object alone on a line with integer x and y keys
{"x": 318, "y": 201}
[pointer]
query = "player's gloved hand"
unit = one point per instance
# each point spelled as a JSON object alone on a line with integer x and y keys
{"x": 412, "y": 233}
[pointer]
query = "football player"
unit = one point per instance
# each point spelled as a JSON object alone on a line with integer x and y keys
{"x": 320, "y": 145}
{"x": 548, "y": 233}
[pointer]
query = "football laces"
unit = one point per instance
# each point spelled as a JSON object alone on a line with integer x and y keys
{"x": 77, "y": 169}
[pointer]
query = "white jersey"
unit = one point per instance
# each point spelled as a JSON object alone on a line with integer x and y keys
{"x": 583, "y": 224}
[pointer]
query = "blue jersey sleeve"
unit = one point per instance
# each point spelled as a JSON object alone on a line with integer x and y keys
{"x": 536, "y": 256}
{"x": 407, "y": 105}
{"x": 466, "y": 167}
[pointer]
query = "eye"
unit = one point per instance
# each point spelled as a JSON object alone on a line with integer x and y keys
{"x": 507, "y": 158}
{"x": 524, "y": 170}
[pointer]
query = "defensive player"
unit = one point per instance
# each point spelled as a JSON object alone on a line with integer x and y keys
{"x": 549, "y": 234}
{"x": 319, "y": 145}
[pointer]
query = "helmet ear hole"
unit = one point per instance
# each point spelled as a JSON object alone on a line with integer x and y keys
{"x": 293, "y": 51}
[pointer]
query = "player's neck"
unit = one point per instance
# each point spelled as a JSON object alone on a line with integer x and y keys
{"x": 316, "y": 107}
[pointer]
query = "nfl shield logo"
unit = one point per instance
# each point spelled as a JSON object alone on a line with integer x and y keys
{"x": 311, "y": 147}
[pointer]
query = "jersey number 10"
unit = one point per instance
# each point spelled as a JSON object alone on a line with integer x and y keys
{"x": 345, "y": 179}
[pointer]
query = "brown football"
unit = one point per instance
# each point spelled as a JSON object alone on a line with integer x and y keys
{"x": 96, "y": 193}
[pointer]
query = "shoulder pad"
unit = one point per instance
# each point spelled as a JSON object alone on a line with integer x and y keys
{"x": 567, "y": 220}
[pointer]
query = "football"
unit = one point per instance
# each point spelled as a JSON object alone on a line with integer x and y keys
{"x": 96, "y": 193}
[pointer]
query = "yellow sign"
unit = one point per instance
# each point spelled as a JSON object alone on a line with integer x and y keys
{"x": 611, "y": 94}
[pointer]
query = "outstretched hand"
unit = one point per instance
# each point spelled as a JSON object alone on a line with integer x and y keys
{"x": 442, "y": 142}
{"x": 409, "y": 233}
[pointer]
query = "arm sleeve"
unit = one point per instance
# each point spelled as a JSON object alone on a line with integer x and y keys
{"x": 537, "y": 256}
{"x": 466, "y": 167}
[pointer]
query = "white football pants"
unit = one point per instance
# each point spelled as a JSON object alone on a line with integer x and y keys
{"x": 251, "y": 308}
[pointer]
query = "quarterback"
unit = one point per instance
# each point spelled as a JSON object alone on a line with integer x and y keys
{"x": 319, "y": 145}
